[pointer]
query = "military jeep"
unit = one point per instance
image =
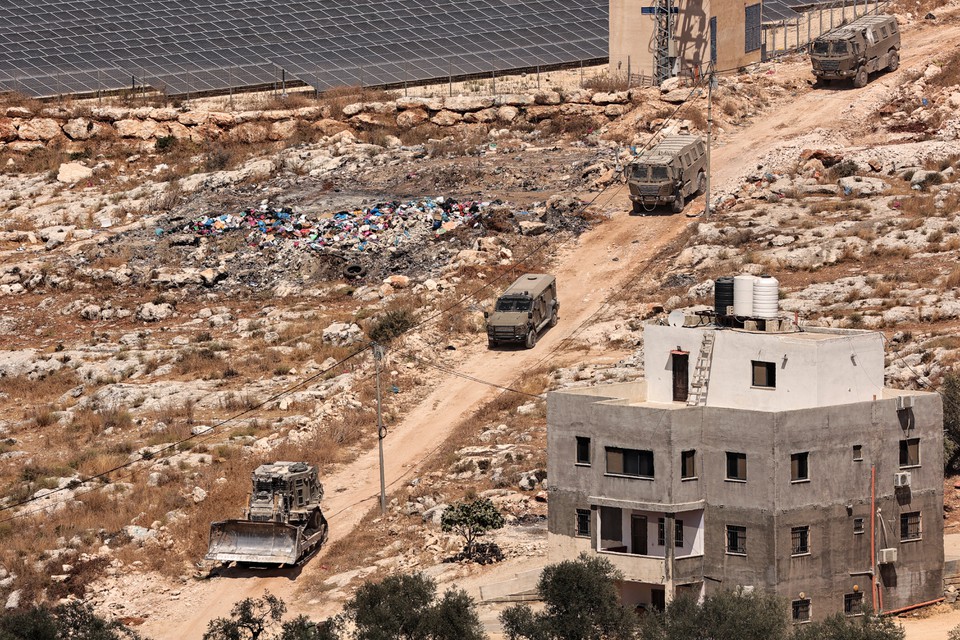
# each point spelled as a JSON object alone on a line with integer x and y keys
{"x": 866, "y": 45}
{"x": 669, "y": 173}
{"x": 523, "y": 310}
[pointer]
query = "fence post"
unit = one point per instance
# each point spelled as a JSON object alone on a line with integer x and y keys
{"x": 581, "y": 76}
{"x": 629, "y": 71}
{"x": 809, "y": 20}
{"x": 773, "y": 52}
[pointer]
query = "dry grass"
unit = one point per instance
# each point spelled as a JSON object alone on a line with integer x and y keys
{"x": 953, "y": 279}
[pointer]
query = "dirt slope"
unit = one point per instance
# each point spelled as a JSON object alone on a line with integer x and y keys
{"x": 587, "y": 275}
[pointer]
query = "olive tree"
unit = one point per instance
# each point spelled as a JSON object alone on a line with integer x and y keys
{"x": 471, "y": 520}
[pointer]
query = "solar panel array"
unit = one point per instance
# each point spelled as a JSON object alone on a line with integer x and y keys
{"x": 53, "y": 47}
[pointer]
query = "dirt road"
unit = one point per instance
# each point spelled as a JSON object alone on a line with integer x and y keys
{"x": 587, "y": 276}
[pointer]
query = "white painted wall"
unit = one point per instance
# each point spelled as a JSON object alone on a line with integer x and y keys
{"x": 814, "y": 369}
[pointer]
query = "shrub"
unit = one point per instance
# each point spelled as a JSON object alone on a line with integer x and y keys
{"x": 471, "y": 520}
{"x": 390, "y": 325}
{"x": 843, "y": 169}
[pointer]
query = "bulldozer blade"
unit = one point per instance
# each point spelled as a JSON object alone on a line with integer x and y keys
{"x": 246, "y": 541}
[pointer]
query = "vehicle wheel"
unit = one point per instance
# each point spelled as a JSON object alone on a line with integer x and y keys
{"x": 637, "y": 208}
{"x": 531, "y": 338}
{"x": 860, "y": 80}
{"x": 893, "y": 60}
{"x": 678, "y": 203}
{"x": 701, "y": 182}
{"x": 553, "y": 317}
{"x": 491, "y": 344}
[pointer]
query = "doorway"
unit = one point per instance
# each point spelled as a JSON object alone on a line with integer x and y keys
{"x": 681, "y": 384}
{"x": 638, "y": 535}
{"x": 658, "y": 598}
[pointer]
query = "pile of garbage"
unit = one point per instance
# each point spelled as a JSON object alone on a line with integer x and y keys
{"x": 373, "y": 228}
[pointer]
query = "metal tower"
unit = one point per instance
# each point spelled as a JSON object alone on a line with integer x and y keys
{"x": 663, "y": 40}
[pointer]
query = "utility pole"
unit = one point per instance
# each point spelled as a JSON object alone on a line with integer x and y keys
{"x": 381, "y": 431}
{"x": 711, "y": 78}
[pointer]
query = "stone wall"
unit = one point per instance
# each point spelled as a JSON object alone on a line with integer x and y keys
{"x": 22, "y": 129}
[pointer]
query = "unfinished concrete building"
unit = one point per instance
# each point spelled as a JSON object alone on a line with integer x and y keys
{"x": 754, "y": 455}
{"x": 642, "y": 38}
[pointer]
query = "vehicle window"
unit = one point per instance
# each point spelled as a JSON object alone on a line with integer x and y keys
{"x": 660, "y": 173}
{"x": 513, "y": 304}
{"x": 640, "y": 172}
{"x": 820, "y": 46}
{"x": 840, "y": 47}
{"x": 883, "y": 32}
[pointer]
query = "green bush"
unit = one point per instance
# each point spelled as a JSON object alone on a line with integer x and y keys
{"x": 391, "y": 324}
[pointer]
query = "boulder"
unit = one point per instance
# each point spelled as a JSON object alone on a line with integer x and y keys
{"x": 463, "y": 104}
{"x": 615, "y": 110}
{"x": 446, "y": 118}
{"x": 342, "y": 334}
{"x": 926, "y": 177}
{"x": 397, "y": 281}
{"x": 515, "y": 100}
{"x": 507, "y": 113}
{"x": 151, "y": 312}
{"x": 532, "y": 228}
{"x": 430, "y": 104}
{"x": 547, "y": 97}
{"x": 71, "y": 172}
{"x": 932, "y": 71}
{"x": 39, "y": 129}
{"x": 677, "y": 96}
{"x": 249, "y": 133}
{"x": 329, "y": 127}
{"x": 193, "y": 118}
{"x": 411, "y": 117}
{"x": 283, "y": 129}
{"x": 84, "y": 128}
{"x": 139, "y": 129}
{"x": 8, "y": 130}
{"x": 55, "y": 236}
{"x": 484, "y": 115}
{"x": 353, "y": 109}
{"x": 544, "y": 112}
{"x": 616, "y": 97}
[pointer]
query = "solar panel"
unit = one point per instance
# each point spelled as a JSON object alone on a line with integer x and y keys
{"x": 51, "y": 47}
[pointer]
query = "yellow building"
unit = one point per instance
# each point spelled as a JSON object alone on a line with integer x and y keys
{"x": 733, "y": 24}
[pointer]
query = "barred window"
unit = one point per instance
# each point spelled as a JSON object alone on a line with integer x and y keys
{"x": 910, "y": 526}
{"x": 800, "y": 538}
{"x": 736, "y": 539}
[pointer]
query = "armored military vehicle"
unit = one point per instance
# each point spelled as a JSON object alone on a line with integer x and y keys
{"x": 523, "y": 310}
{"x": 866, "y": 45}
{"x": 282, "y": 523}
{"x": 669, "y": 173}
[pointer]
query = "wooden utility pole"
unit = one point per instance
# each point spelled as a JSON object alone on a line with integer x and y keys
{"x": 711, "y": 78}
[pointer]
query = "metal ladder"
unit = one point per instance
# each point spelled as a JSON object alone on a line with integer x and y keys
{"x": 701, "y": 372}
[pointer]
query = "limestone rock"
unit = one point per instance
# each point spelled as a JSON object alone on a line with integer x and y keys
{"x": 150, "y": 312}
{"x": 862, "y": 186}
{"x": 532, "y": 228}
{"x": 507, "y": 113}
{"x": 411, "y": 117}
{"x": 463, "y": 104}
{"x": 8, "y": 130}
{"x": 342, "y": 334}
{"x": 249, "y": 133}
{"x": 139, "y": 129}
{"x": 446, "y": 118}
{"x": 71, "y": 172}
{"x": 617, "y": 97}
{"x": 39, "y": 129}
{"x": 430, "y": 104}
{"x": 484, "y": 115}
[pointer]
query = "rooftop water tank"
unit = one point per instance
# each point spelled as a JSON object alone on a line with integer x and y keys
{"x": 743, "y": 295}
{"x": 723, "y": 295}
{"x": 766, "y": 297}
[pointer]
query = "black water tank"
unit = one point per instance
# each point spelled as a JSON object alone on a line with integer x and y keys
{"x": 722, "y": 295}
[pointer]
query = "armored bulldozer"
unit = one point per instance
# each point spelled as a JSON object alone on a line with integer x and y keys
{"x": 282, "y": 523}
{"x": 868, "y": 44}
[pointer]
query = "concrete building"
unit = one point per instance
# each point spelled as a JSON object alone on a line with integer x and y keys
{"x": 794, "y": 470}
{"x": 734, "y": 24}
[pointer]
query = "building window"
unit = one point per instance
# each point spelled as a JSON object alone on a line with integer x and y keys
{"x": 630, "y": 462}
{"x": 853, "y": 604}
{"x": 583, "y": 523}
{"x": 583, "y": 450}
{"x": 736, "y": 539}
{"x": 677, "y": 532}
{"x": 801, "y": 610}
{"x": 764, "y": 374}
{"x": 910, "y": 526}
{"x": 736, "y": 466}
{"x": 800, "y": 538}
{"x": 799, "y": 467}
{"x": 857, "y": 452}
{"x": 910, "y": 453}
{"x": 688, "y": 464}
{"x": 752, "y": 29}
{"x": 858, "y": 525}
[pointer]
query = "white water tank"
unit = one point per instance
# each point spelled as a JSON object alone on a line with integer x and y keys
{"x": 766, "y": 297}
{"x": 743, "y": 295}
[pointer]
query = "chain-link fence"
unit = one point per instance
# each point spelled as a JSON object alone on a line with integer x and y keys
{"x": 795, "y": 34}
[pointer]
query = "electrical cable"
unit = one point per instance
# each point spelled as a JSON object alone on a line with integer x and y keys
{"x": 207, "y": 434}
